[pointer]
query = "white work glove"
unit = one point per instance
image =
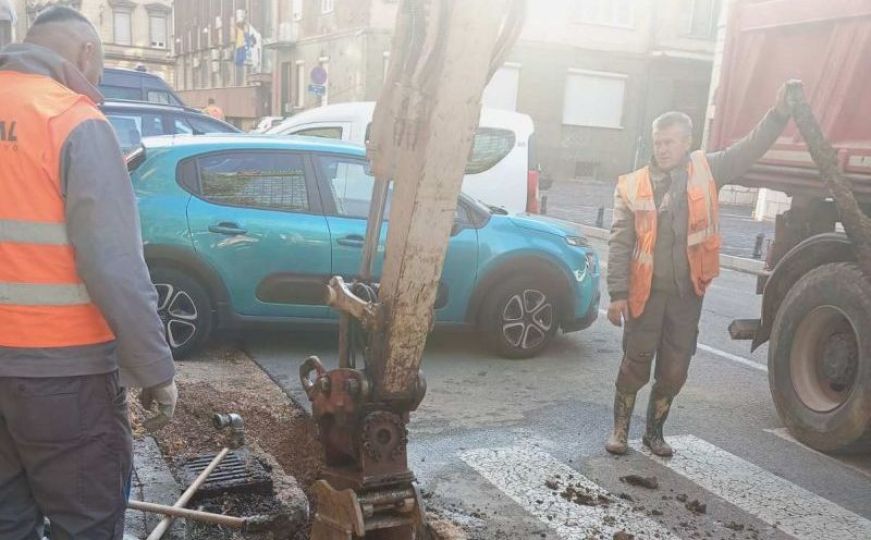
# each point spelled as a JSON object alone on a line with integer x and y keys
{"x": 166, "y": 396}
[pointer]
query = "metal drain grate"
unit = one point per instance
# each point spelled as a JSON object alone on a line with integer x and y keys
{"x": 233, "y": 475}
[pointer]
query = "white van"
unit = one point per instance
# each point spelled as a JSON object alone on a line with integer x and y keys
{"x": 501, "y": 171}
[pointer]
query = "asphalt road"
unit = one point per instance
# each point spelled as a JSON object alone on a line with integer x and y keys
{"x": 491, "y": 433}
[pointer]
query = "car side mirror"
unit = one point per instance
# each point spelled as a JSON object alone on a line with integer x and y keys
{"x": 457, "y": 228}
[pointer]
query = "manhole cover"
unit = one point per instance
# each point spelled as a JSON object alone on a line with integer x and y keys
{"x": 233, "y": 475}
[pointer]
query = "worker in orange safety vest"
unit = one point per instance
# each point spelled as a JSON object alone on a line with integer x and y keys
{"x": 663, "y": 252}
{"x": 78, "y": 311}
{"x": 213, "y": 110}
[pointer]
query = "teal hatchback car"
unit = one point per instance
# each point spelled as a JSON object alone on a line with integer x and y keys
{"x": 246, "y": 230}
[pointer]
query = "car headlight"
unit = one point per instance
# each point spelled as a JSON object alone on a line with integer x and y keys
{"x": 577, "y": 241}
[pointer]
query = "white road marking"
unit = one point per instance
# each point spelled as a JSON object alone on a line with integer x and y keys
{"x": 793, "y": 509}
{"x": 733, "y": 357}
{"x": 784, "y": 434}
{"x": 521, "y": 471}
{"x": 717, "y": 352}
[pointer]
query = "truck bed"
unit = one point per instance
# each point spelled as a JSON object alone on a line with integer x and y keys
{"x": 825, "y": 43}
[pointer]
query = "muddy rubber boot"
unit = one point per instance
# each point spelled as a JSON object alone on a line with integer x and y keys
{"x": 657, "y": 412}
{"x": 623, "y": 405}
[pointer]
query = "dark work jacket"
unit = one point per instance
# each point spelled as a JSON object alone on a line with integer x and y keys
{"x": 671, "y": 272}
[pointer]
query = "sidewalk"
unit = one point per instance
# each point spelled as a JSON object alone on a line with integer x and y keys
{"x": 579, "y": 201}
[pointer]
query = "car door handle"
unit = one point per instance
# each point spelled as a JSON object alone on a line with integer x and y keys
{"x": 228, "y": 228}
{"x": 352, "y": 240}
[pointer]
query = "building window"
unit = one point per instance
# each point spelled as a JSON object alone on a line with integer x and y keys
{"x": 121, "y": 26}
{"x": 620, "y": 13}
{"x": 300, "y": 85}
{"x": 297, "y": 10}
{"x": 703, "y": 22}
{"x": 501, "y": 91}
{"x": 157, "y": 29}
{"x": 594, "y": 99}
{"x": 327, "y": 6}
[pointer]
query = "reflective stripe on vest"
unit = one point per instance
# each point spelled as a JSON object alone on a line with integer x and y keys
{"x": 28, "y": 232}
{"x": 703, "y": 234}
{"x": 38, "y": 294}
{"x": 43, "y": 302}
{"x": 703, "y": 240}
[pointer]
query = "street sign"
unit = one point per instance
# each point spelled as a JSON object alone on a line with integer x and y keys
{"x": 318, "y": 75}
{"x": 317, "y": 89}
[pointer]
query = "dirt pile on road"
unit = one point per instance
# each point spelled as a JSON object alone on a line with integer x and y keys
{"x": 649, "y": 482}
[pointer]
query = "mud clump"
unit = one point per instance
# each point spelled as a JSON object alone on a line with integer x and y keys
{"x": 697, "y": 507}
{"x": 649, "y": 482}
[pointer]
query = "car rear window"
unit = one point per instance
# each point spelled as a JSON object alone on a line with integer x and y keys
{"x": 159, "y": 96}
{"x": 120, "y": 92}
{"x": 272, "y": 181}
{"x": 491, "y": 145}
{"x": 326, "y": 132}
{"x": 192, "y": 124}
{"x": 131, "y": 127}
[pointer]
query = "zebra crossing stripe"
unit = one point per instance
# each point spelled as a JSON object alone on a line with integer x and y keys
{"x": 521, "y": 472}
{"x": 772, "y": 499}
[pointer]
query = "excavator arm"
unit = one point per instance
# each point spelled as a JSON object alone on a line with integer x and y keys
{"x": 444, "y": 52}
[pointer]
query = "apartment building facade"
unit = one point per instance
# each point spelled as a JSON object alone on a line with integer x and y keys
{"x": 592, "y": 74}
{"x": 348, "y": 41}
{"x": 221, "y": 54}
{"x": 135, "y": 33}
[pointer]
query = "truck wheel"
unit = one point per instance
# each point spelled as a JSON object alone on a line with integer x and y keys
{"x": 520, "y": 317}
{"x": 819, "y": 359}
{"x": 185, "y": 310}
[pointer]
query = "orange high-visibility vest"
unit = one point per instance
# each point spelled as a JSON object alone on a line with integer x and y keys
{"x": 214, "y": 111}
{"x": 43, "y": 302}
{"x": 703, "y": 235}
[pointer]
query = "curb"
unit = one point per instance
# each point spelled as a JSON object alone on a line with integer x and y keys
{"x": 739, "y": 264}
{"x": 152, "y": 482}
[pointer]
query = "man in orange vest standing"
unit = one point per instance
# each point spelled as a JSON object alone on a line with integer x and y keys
{"x": 213, "y": 110}
{"x": 78, "y": 312}
{"x": 663, "y": 253}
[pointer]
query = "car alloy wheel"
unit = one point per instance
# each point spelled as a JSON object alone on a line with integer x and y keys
{"x": 178, "y": 313}
{"x": 527, "y": 319}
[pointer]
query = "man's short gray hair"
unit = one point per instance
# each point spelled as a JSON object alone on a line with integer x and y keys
{"x": 674, "y": 118}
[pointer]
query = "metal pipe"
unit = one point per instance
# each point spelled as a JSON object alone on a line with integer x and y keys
{"x": 196, "y": 515}
{"x": 164, "y": 524}
{"x": 345, "y": 341}
{"x": 373, "y": 227}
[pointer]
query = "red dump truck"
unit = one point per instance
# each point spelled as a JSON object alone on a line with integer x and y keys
{"x": 816, "y": 308}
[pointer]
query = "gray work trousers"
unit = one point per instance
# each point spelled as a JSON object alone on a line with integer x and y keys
{"x": 66, "y": 454}
{"x": 666, "y": 331}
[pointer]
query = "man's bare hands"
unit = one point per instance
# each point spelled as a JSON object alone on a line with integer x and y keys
{"x": 618, "y": 312}
{"x": 786, "y": 97}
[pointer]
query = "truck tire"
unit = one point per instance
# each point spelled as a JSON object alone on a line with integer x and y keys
{"x": 819, "y": 359}
{"x": 185, "y": 310}
{"x": 520, "y": 317}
